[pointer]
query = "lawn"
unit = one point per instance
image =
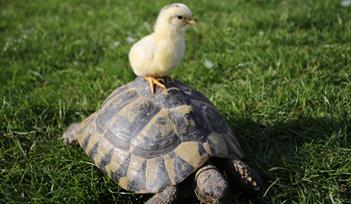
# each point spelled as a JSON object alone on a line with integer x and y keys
{"x": 279, "y": 72}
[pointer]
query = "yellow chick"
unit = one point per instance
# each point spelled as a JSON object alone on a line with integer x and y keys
{"x": 155, "y": 55}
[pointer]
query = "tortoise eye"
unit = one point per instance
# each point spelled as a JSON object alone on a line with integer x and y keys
{"x": 180, "y": 17}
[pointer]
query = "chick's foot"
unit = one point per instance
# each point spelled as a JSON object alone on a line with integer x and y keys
{"x": 153, "y": 81}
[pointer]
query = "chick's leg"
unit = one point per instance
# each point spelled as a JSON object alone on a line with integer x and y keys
{"x": 153, "y": 81}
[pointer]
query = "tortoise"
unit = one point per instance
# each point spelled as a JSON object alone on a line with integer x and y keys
{"x": 150, "y": 143}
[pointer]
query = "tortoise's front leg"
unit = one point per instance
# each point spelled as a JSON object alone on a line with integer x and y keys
{"x": 242, "y": 176}
{"x": 167, "y": 196}
{"x": 211, "y": 187}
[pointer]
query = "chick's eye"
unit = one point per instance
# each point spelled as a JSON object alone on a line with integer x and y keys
{"x": 180, "y": 17}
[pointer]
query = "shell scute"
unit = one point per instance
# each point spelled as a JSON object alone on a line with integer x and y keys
{"x": 156, "y": 174}
{"x": 157, "y": 138}
{"x": 130, "y": 122}
{"x": 182, "y": 169}
{"x": 136, "y": 174}
{"x": 121, "y": 169}
{"x": 112, "y": 107}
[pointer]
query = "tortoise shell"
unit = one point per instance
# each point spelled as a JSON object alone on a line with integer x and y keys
{"x": 146, "y": 142}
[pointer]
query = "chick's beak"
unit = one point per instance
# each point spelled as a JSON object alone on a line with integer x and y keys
{"x": 190, "y": 21}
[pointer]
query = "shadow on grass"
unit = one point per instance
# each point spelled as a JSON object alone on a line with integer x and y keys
{"x": 285, "y": 153}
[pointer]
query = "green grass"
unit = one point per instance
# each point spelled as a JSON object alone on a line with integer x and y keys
{"x": 281, "y": 77}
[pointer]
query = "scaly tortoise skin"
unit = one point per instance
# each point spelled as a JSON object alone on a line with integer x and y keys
{"x": 146, "y": 142}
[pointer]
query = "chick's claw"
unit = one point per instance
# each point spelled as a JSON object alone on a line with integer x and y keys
{"x": 153, "y": 81}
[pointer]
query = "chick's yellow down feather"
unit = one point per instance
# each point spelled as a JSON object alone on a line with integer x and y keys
{"x": 157, "y": 54}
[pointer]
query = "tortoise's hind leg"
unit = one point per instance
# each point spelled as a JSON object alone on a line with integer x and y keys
{"x": 167, "y": 196}
{"x": 242, "y": 176}
{"x": 211, "y": 187}
{"x": 70, "y": 135}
